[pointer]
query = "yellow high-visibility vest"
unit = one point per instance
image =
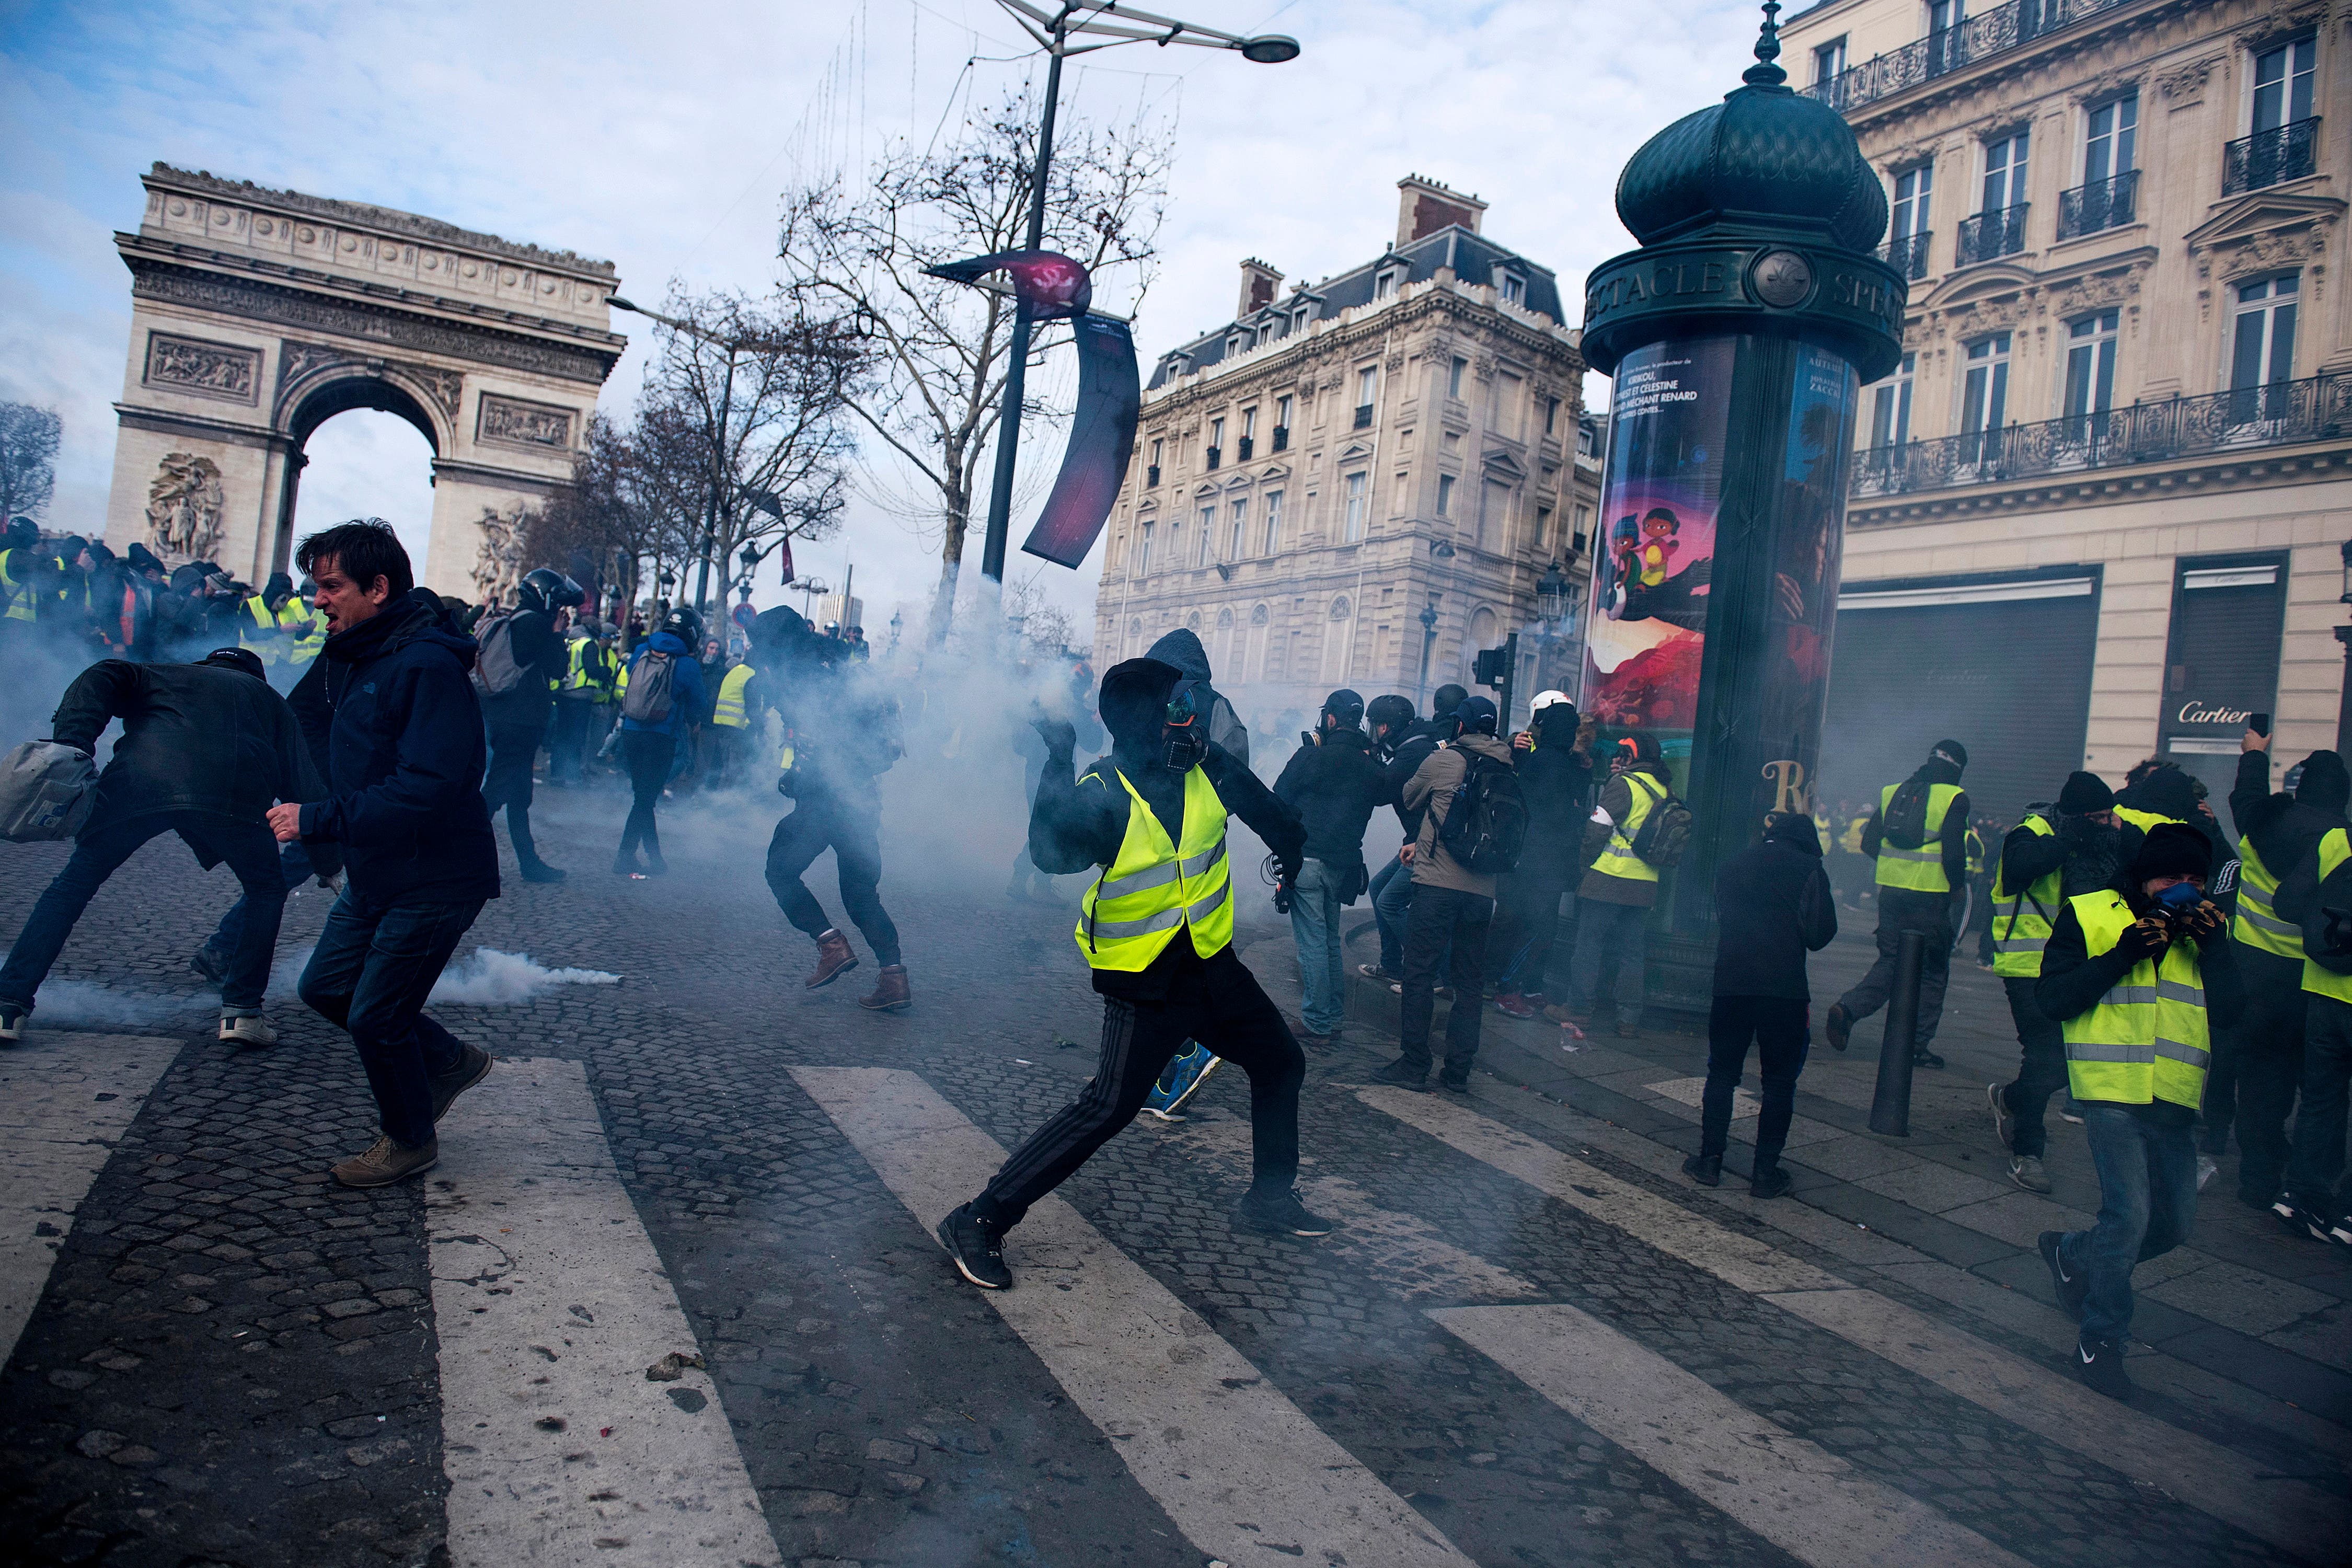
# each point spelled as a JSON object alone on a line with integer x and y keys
{"x": 257, "y": 630}
{"x": 2147, "y": 1038}
{"x": 1920, "y": 870}
{"x": 2145, "y": 820}
{"x": 2257, "y": 923}
{"x": 1974, "y": 845}
{"x": 728, "y": 710}
{"x": 1851, "y": 839}
{"x": 2022, "y": 920}
{"x": 2333, "y": 850}
{"x": 1617, "y": 858}
{"x": 17, "y": 584}
{"x": 306, "y": 633}
{"x": 1153, "y": 889}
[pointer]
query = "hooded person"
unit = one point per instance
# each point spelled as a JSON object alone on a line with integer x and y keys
{"x": 1619, "y": 887}
{"x": 2139, "y": 975}
{"x": 1553, "y": 758}
{"x": 1918, "y": 837}
{"x": 1452, "y": 904}
{"x": 1157, "y": 931}
{"x": 2277, "y": 834}
{"x": 1406, "y": 745}
{"x": 668, "y": 702}
{"x": 1183, "y": 649}
{"x": 1334, "y": 785}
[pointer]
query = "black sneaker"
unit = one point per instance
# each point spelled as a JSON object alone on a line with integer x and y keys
{"x": 978, "y": 1251}
{"x": 209, "y": 962}
{"x": 1458, "y": 1082}
{"x": 540, "y": 871}
{"x": 473, "y": 1067}
{"x": 1838, "y": 1025}
{"x": 2300, "y": 1219}
{"x": 1771, "y": 1182}
{"x": 2100, "y": 1364}
{"x": 1280, "y": 1214}
{"x": 1926, "y": 1058}
{"x": 2071, "y": 1287}
{"x": 1707, "y": 1170}
{"x": 1402, "y": 1074}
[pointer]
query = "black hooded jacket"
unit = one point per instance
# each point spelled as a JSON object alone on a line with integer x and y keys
{"x": 1335, "y": 786}
{"x": 405, "y": 753}
{"x": 1078, "y": 823}
{"x": 1556, "y": 780}
{"x": 2285, "y": 829}
{"x": 1774, "y": 905}
{"x": 1183, "y": 649}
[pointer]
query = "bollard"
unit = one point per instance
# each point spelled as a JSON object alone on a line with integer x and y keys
{"x": 1890, "y": 1106}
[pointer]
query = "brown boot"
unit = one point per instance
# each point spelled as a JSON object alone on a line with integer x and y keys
{"x": 890, "y": 992}
{"x": 832, "y": 956}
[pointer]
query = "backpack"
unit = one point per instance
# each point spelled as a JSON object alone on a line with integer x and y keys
{"x": 1485, "y": 823}
{"x": 647, "y": 700}
{"x": 1665, "y": 832}
{"x": 46, "y": 790}
{"x": 496, "y": 673}
{"x": 1904, "y": 823}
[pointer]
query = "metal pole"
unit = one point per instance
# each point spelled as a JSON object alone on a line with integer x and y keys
{"x": 1016, "y": 373}
{"x": 2343, "y": 701}
{"x": 1510, "y": 683}
{"x": 1890, "y": 1105}
{"x": 717, "y": 459}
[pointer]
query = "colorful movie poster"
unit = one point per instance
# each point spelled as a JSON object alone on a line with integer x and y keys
{"x": 1808, "y": 540}
{"x": 1655, "y": 553}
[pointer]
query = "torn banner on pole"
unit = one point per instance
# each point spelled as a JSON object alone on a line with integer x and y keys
{"x": 1048, "y": 286}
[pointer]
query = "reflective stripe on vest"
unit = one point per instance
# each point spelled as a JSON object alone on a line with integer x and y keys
{"x": 1617, "y": 858}
{"x": 728, "y": 710}
{"x": 1154, "y": 888}
{"x": 2333, "y": 850}
{"x": 2147, "y": 1038}
{"x": 2021, "y": 922}
{"x": 1919, "y": 870}
{"x": 2257, "y": 923}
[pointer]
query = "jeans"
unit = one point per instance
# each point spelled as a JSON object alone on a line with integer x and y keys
{"x": 2147, "y": 1196}
{"x": 2318, "y": 1156}
{"x": 853, "y": 831}
{"x": 648, "y": 752}
{"x": 567, "y": 748}
{"x": 370, "y": 975}
{"x": 2041, "y": 1068}
{"x": 247, "y": 847}
{"x": 1443, "y": 916}
{"x": 1315, "y": 924}
{"x": 294, "y": 864}
{"x": 1777, "y": 1024}
{"x": 1391, "y": 898}
{"x": 1526, "y": 923}
{"x": 513, "y": 749}
{"x": 1904, "y": 910}
{"x": 2269, "y": 1038}
{"x": 1609, "y": 936}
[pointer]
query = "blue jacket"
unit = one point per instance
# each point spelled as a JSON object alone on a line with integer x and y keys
{"x": 405, "y": 755}
{"x": 687, "y": 703}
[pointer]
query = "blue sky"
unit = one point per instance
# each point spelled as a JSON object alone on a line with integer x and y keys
{"x": 659, "y": 137}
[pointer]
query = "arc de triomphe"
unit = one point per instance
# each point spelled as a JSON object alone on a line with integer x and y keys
{"x": 256, "y": 315}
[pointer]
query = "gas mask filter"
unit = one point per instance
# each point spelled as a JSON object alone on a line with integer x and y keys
{"x": 1183, "y": 730}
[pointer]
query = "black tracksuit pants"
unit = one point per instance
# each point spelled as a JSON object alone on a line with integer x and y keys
{"x": 2040, "y": 1067}
{"x": 1777, "y": 1025}
{"x": 852, "y": 828}
{"x": 2268, "y": 1042}
{"x": 513, "y": 749}
{"x": 1904, "y": 910}
{"x": 1223, "y": 1008}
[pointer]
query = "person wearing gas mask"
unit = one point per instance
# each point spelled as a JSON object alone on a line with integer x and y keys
{"x": 517, "y": 690}
{"x": 1157, "y": 930}
{"x": 1335, "y": 786}
{"x": 2058, "y": 852}
{"x": 2139, "y": 975}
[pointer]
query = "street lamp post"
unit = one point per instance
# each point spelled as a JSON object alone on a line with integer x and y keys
{"x": 1097, "y": 25}
{"x": 2344, "y": 635}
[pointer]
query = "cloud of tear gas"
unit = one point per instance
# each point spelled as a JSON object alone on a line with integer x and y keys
{"x": 485, "y": 977}
{"x": 79, "y": 1004}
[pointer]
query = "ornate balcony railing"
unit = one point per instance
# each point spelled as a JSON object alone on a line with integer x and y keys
{"x": 2102, "y": 203}
{"x": 1989, "y": 235}
{"x": 1908, "y": 255}
{"x": 2280, "y": 414}
{"x": 2270, "y": 157}
{"x": 1979, "y": 37}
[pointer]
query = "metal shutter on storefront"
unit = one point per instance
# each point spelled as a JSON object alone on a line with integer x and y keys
{"x": 2221, "y": 663}
{"x": 2003, "y": 667}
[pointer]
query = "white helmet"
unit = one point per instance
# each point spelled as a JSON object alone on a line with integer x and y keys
{"x": 1545, "y": 699}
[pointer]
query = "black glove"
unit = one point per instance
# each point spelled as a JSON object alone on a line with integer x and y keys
{"x": 1282, "y": 895}
{"x": 2338, "y": 936}
{"x": 2146, "y": 937}
{"x": 2204, "y": 922}
{"x": 1061, "y": 738}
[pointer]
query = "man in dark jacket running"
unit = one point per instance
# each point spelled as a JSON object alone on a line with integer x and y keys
{"x": 405, "y": 802}
{"x": 205, "y": 748}
{"x": 517, "y": 718}
{"x": 1775, "y": 904}
{"x": 1334, "y": 785}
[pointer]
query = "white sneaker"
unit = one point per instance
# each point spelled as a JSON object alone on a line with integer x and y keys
{"x": 250, "y": 1030}
{"x": 12, "y": 1025}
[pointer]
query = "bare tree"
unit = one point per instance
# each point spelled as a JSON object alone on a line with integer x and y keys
{"x": 937, "y": 380}
{"x": 29, "y": 458}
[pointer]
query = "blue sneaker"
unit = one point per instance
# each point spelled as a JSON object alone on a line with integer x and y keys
{"x": 1180, "y": 1081}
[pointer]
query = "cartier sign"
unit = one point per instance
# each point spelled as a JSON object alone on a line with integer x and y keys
{"x": 2195, "y": 712}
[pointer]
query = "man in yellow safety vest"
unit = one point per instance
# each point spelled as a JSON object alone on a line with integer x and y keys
{"x": 728, "y": 733}
{"x": 587, "y": 678}
{"x": 1918, "y": 835}
{"x": 2318, "y": 898}
{"x": 1157, "y": 930}
{"x": 2138, "y": 975}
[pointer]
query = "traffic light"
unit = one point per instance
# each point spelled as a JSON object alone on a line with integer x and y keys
{"x": 1492, "y": 668}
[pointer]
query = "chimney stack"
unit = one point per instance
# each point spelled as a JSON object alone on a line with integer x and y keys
{"x": 1259, "y": 283}
{"x": 1425, "y": 206}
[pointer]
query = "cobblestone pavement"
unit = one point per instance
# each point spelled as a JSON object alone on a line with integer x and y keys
{"x": 232, "y": 1360}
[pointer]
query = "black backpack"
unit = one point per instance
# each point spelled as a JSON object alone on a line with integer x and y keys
{"x": 1665, "y": 833}
{"x": 1904, "y": 823}
{"x": 1485, "y": 823}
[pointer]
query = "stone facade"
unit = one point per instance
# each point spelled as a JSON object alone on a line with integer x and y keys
{"x": 2136, "y": 359}
{"x": 256, "y": 315}
{"x": 1312, "y": 476}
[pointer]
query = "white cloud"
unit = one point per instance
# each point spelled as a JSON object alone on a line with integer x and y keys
{"x": 660, "y": 138}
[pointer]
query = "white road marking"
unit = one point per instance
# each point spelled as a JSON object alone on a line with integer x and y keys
{"x": 65, "y": 1100}
{"x": 2205, "y": 1475}
{"x": 1241, "y": 1471}
{"x": 1792, "y": 1492}
{"x": 551, "y": 1303}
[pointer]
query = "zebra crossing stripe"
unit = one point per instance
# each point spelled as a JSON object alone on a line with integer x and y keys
{"x": 1243, "y": 1472}
{"x": 550, "y": 1304}
{"x": 65, "y": 1101}
{"x": 2217, "y": 1481}
{"x": 1794, "y": 1493}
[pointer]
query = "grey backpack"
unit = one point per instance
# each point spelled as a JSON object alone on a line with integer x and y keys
{"x": 649, "y": 698}
{"x": 46, "y": 790}
{"x": 496, "y": 673}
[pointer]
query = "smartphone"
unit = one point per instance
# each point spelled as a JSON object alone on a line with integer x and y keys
{"x": 2260, "y": 723}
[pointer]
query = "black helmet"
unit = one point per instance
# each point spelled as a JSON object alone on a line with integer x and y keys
{"x": 1391, "y": 710}
{"x": 686, "y": 625}
{"x": 1345, "y": 707}
{"x": 545, "y": 588}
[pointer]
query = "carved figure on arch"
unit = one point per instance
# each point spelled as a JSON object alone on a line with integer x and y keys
{"x": 498, "y": 564}
{"x": 184, "y": 505}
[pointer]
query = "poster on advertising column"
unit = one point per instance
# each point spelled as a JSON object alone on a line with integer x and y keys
{"x": 1809, "y": 537}
{"x": 1656, "y": 554}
